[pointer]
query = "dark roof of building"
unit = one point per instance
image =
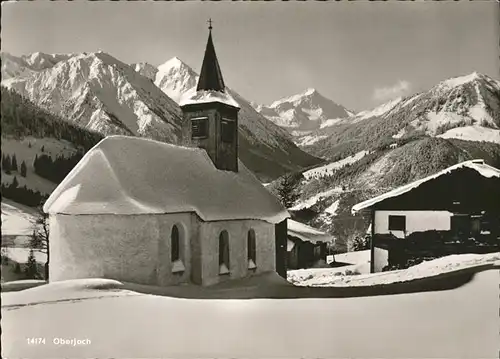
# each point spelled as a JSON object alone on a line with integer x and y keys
{"x": 210, "y": 75}
{"x": 477, "y": 165}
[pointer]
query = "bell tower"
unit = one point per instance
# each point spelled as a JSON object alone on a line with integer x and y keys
{"x": 210, "y": 115}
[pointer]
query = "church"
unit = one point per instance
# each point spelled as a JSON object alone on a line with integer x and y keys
{"x": 147, "y": 212}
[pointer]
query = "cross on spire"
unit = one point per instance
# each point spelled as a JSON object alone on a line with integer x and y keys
{"x": 210, "y": 74}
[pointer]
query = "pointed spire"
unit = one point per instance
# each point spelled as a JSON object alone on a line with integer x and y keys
{"x": 210, "y": 75}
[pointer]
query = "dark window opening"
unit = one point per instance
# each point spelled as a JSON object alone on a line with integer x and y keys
{"x": 175, "y": 244}
{"x": 199, "y": 127}
{"x": 397, "y": 223}
{"x": 224, "y": 252}
{"x": 228, "y": 131}
{"x": 252, "y": 247}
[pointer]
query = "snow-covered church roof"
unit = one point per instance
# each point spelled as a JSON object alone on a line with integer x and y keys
{"x": 477, "y": 165}
{"x": 131, "y": 175}
{"x": 307, "y": 233}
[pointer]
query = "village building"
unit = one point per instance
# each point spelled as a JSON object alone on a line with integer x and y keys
{"x": 142, "y": 211}
{"x": 306, "y": 246}
{"x": 453, "y": 211}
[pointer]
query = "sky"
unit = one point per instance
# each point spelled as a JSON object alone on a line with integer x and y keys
{"x": 359, "y": 54}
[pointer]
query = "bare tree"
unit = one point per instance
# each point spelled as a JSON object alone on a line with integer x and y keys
{"x": 39, "y": 241}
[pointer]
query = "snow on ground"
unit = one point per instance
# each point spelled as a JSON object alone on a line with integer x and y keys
{"x": 333, "y": 277}
{"x": 400, "y": 134}
{"x": 309, "y": 140}
{"x": 333, "y": 208}
{"x": 16, "y": 218}
{"x": 473, "y": 133}
{"x": 331, "y": 122}
{"x": 437, "y": 119}
{"x": 324, "y": 170}
{"x": 312, "y": 200}
{"x": 357, "y": 257}
{"x": 121, "y": 324}
{"x": 25, "y": 150}
{"x": 356, "y": 263}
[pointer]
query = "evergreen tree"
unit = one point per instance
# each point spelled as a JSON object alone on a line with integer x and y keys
{"x": 13, "y": 164}
{"x": 287, "y": 191}
{"x": 31, "y": 269}
{"x": 14, "y": 183}
{"x": 6, "y": 166}
{"x": 23, "y": 169}
{"x": 17, "y": 268}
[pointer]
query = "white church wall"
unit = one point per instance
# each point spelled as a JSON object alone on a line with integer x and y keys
{"x": 238, "y": 232}
{"x": 104, "y": 246}
{"x": 131, "y": 248}
{"x": 170, "y": 273}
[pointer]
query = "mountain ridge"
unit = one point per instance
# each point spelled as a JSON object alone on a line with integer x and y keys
{"x": 100, "y": 92}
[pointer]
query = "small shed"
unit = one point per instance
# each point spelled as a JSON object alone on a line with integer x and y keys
{"x": 454, "y": 211}
{"x": 305, "y": 245}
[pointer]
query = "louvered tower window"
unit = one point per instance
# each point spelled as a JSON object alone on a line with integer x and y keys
{"x": 199, "y": 127}
{"x": 228, "y": 131}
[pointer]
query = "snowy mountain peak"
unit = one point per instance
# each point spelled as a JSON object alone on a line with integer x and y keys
{"x": 462, "y": 80}
{"x": 310, "y": 91}
{"x": 173, "y": 63}
{"x": 175, "y": 78}
{"x": 306, "y": 111}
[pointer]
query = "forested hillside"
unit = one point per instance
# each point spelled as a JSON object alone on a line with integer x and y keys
{"x": 38, "y": 149}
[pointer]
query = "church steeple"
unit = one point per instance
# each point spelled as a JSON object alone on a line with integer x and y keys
{"x": 211, "y": 75}
{"x": 210, "y": 115}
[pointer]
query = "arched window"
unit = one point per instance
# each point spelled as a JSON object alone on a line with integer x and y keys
{"x": 175, "y": 249}
{"x": 252, "y": 249}
{"x": 224, "y": 253}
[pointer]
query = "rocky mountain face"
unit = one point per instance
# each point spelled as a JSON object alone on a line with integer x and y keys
{"x": 304, "y": 112}
{"x": 13, "y": 66}
{"x": 98, "y": 92}
{"x": 101, "y": 93}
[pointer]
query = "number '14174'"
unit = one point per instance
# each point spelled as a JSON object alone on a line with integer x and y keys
{"x": 35, "y": 341}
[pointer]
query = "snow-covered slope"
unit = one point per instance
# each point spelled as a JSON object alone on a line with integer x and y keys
{"x": 304, "y": 112}
{"x": 16, "y": 218}
{"x": 25, "y": 151}
{"x": 103, "y": 94}
{"x": 111, "y": 322}
{"x": 336, "y": 277}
